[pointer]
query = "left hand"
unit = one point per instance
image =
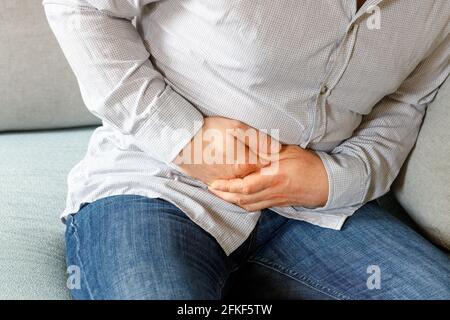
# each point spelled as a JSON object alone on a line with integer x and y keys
{"x": 297, "y": 178}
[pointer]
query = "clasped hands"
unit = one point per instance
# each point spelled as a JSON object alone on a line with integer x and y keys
{"x": 249, "y": 168}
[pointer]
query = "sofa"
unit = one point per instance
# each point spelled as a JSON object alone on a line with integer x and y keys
{"x": 44, "y": 132}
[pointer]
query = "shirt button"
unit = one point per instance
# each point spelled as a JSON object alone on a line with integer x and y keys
{"x": 324, "y": 90}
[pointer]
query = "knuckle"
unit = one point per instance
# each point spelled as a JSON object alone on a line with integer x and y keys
{"x": 246, "y": 189}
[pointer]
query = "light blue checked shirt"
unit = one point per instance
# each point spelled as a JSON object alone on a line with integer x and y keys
{"x": 329, "y": 77}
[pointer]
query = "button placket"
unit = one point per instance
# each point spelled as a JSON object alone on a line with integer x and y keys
{"x": 324, "y": 89}
{"x": 337, "y": 70}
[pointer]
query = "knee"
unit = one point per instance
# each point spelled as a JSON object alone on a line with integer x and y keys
{"x": 175, "y": 289}
{"x": 146, "y": 284}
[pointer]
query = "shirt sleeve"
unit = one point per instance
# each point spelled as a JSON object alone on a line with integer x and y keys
{"x": 118, "y": 83}
{"x": 363, "y": 167}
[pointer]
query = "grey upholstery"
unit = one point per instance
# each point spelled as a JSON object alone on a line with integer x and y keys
{"x": 37, "y": 88}
{"x": 423, "y": 187}
{"x": 33, "y": 170}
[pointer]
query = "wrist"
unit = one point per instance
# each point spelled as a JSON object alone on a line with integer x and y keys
{"x": 319, "y": 183}
{"x": 322, "y": 181}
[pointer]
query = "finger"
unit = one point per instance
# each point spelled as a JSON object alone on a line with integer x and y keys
{"x": 227, "y": 196}
{"x": 258, "y": 141}
{"x": 258, "y": 206}
{"x": 235, "y": 198}
{"x": 249, "y": 184}
{"x": 250, "y": 203}
{"x": 232, "y": 185}
{"x": 248, "y": 199}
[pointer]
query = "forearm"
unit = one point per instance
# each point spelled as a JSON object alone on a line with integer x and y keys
{"x": 364, "y": 167}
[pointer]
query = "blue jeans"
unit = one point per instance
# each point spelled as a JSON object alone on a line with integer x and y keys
{"x": 132, "y": 247}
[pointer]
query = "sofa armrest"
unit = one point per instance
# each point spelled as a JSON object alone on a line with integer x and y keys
{"x": 423, "y": 186}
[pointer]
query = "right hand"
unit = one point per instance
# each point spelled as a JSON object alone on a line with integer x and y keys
{"x": 222, "y": 150}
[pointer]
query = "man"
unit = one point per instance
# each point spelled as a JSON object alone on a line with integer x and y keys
{"x": 172, "y": 201}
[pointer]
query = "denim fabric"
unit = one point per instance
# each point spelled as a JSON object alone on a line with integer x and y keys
{"x": 133, "y": 247}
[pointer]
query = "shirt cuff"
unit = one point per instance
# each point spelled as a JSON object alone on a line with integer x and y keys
{"x": 170, "y": 127}
{"x": 347, "y": 180}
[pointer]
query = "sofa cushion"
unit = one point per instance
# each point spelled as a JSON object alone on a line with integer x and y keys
{"x": 37, "y": 87}
{"x": 34, "y": 167}
{"x": 423, "y": 186}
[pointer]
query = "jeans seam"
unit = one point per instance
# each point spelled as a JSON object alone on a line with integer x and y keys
{"x": 224, "y": 281}
{"x": 294, "y": 275}
{"x": 252, "y": 240}
{"x": 78, "y": 257}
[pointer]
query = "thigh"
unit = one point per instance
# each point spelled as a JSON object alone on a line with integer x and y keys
{"x": 374, "y": 256}
{"x": 132, "y": 247}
